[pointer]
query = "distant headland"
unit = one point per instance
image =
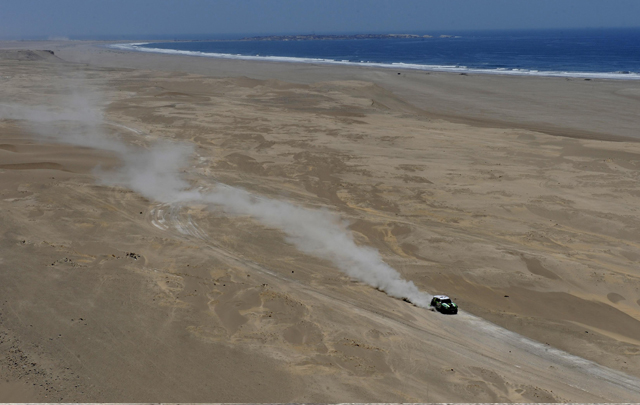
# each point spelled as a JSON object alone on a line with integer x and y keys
{"x": 314, "y": 37}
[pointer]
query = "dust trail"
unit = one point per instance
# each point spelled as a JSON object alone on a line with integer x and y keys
{"x": 316, "y": 232}
{"x": 154, "y": 172}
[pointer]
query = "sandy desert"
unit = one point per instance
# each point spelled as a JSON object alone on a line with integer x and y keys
{"x": 516, "y": 196}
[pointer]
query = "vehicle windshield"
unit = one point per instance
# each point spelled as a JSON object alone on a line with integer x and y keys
{"x": 446, "y": 301}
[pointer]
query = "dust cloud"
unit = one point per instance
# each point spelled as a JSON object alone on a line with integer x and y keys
{"x": 154, "y": 172}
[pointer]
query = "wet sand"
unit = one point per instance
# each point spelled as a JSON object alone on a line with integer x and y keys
{"x": 516, "y": 196}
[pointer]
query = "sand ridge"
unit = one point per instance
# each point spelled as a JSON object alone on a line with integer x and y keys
{"x": 121, "y": 298}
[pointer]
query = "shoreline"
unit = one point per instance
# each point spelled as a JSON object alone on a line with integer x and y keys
{"x": 462, "y": 70}
{"x": 556, "y": 106}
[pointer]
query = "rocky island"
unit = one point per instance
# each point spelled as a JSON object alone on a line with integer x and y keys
{"x": 314, "y": 37}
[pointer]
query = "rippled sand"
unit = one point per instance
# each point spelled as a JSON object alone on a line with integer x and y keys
{"x": 515, "y": 196}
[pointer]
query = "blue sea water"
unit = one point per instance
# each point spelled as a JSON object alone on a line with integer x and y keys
{"x": 595, "y": 53}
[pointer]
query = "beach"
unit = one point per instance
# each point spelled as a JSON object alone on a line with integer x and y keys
{"x": 515, "y": 196}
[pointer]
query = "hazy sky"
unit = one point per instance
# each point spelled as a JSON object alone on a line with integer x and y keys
{"x": 143, "y": 18}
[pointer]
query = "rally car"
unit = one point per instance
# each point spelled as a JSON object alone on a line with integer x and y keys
{"x": 443, "y": 304}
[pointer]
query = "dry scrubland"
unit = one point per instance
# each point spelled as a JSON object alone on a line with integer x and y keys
{"x": 108, "y": 296}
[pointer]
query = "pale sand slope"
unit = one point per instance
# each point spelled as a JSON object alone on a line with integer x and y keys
{"x": 220, "y": 308}
{"x": 568, "y": 107}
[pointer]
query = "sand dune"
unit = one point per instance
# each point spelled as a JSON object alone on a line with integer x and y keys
{"x": 110, "y": 296}
{"x": 27, "y": 55}
{"x": 34, "y": 166}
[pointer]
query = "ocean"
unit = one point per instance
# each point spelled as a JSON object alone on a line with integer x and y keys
{"x": 593, "y": 53}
